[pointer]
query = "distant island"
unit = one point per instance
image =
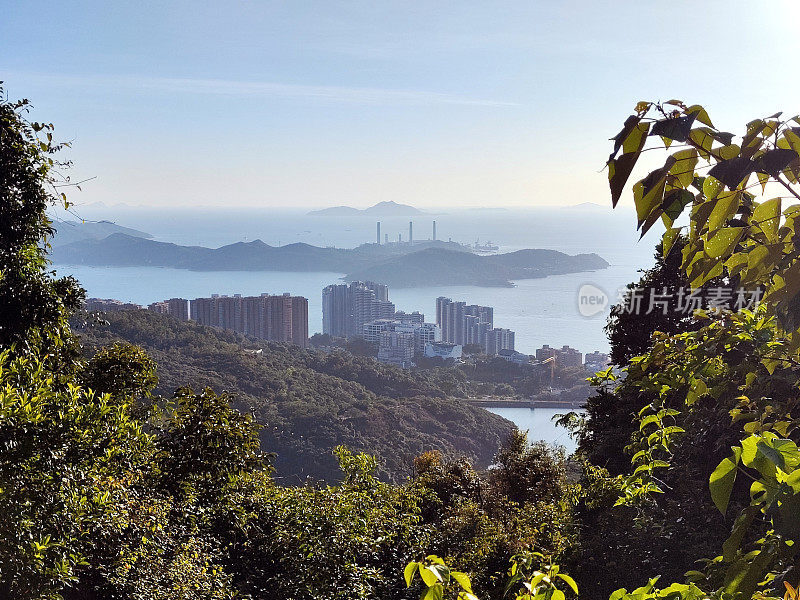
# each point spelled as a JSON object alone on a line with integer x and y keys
{"x": 381, "y": 209}
{"x": 399, "y": 265}
{"x": 68, "y": 232}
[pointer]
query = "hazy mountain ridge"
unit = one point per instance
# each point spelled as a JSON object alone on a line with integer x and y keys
{"x": 398, "y": 265}
{"x": 381, "y": 209}
{"x": 68, "y": 232}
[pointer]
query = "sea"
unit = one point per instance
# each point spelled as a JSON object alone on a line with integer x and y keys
{"x": 540, "y": 311}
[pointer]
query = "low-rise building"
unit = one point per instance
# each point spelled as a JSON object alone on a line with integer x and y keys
{"x": 514, "y": 356}
{"x": 396, "y": 348}
{"x": 565, "y": 356}
{"x": 443, "y": 350}
{"x": 109, "y": 305}
{"x": 596, "y": 361}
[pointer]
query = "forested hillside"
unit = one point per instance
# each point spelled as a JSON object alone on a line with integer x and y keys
{"x": 307, "y": 401}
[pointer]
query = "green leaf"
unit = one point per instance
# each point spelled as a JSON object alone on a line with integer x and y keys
{"x": 569, "y": 581}
{"x": 726, "y": 206}
{"x": 712, "y": 187}
{"x": 620, "y": 169}
{"x": 722, "y": 479}
{"x": 743, "y": 576}
{"x": 701, "y": 114}
{"x": 429, "y": 576}
{"x": 462, "y": 579}
{"x": 766, "y": 218}
{"x": 740, "y": 527}
{"x": 722, "y": 242}
{"x": 434, "y": 593}
{"x": 668, "y": 240}
{"x": 410, "y": 570}
{"x": 683, "y": 169}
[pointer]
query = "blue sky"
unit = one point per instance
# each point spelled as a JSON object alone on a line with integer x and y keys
{"x": 432, "y": 103}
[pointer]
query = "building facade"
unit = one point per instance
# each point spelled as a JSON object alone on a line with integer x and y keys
{"x": 499, "y": 339}
{"x": 347, "y": 307}
{"x": 281, "y": 318}
{"x": 175, "y": 307}
{"x": 565, "y": 356}
{"x": 109, "y": 305}
{"x": 396, "y": 348}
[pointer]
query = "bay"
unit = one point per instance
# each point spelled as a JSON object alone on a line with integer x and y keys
{"x": 540, "y": 425}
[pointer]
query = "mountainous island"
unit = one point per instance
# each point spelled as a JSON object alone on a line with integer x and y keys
{"x": 398, "y": 265}
{"x": 381, "y": 209}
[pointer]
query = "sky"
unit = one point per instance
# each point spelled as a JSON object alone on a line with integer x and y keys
{"x": 435, "y": 104}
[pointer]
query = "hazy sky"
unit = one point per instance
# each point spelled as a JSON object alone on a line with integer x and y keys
{"x": 431, "y": 103}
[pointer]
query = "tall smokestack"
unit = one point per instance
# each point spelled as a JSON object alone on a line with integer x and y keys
{"x": 434, "y": 231}
{"x": 386, "y": 238}
{"x": 379, "y": 233}
{"x": 410, "y": 232}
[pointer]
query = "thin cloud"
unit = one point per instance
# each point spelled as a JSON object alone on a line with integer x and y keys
{"x": 255, "y": 89}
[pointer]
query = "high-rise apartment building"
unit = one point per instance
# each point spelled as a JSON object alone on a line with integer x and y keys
{"x": 277, "y": 318}
{"x": 347, "y": 307}
{"x": 462, "y": 323}
{"x": 176, "y": 307}
{"x": 499, "y": 339}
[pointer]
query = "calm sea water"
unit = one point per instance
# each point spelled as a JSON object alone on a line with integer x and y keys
{"x": 539, "y": 424}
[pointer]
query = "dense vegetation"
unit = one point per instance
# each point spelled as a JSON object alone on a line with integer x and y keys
{"x": 308, "y": 402}
{"x": 689, "y": 467}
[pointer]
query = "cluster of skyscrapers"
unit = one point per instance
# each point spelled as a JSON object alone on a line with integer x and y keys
{"x": 463, "y": 323}
{"x": 362, "y": 309}
{"x": 281, "y": 318}
{"x": 346, "y": 308}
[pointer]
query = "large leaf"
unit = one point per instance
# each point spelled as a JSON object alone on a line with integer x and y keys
{"x": 722, "y": 479}
{"x": 722, "y": 242}
{"x": 772, "y": 162}
{"x": 732, "y": 172}
{"x": 674, "y": 128}
{"x": 620, "y": 169}
{"x": 766, "y": 218}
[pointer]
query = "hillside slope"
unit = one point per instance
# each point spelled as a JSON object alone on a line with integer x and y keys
{"x": 307, "y": 401}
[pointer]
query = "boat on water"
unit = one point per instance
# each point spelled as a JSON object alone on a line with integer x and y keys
{"x": 487, "y": 247}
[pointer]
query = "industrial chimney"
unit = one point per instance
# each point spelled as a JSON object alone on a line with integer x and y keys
{"x": 410, "y": 232}
{"x": 379, "y": 233}
{"x": 434, "y": 231}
